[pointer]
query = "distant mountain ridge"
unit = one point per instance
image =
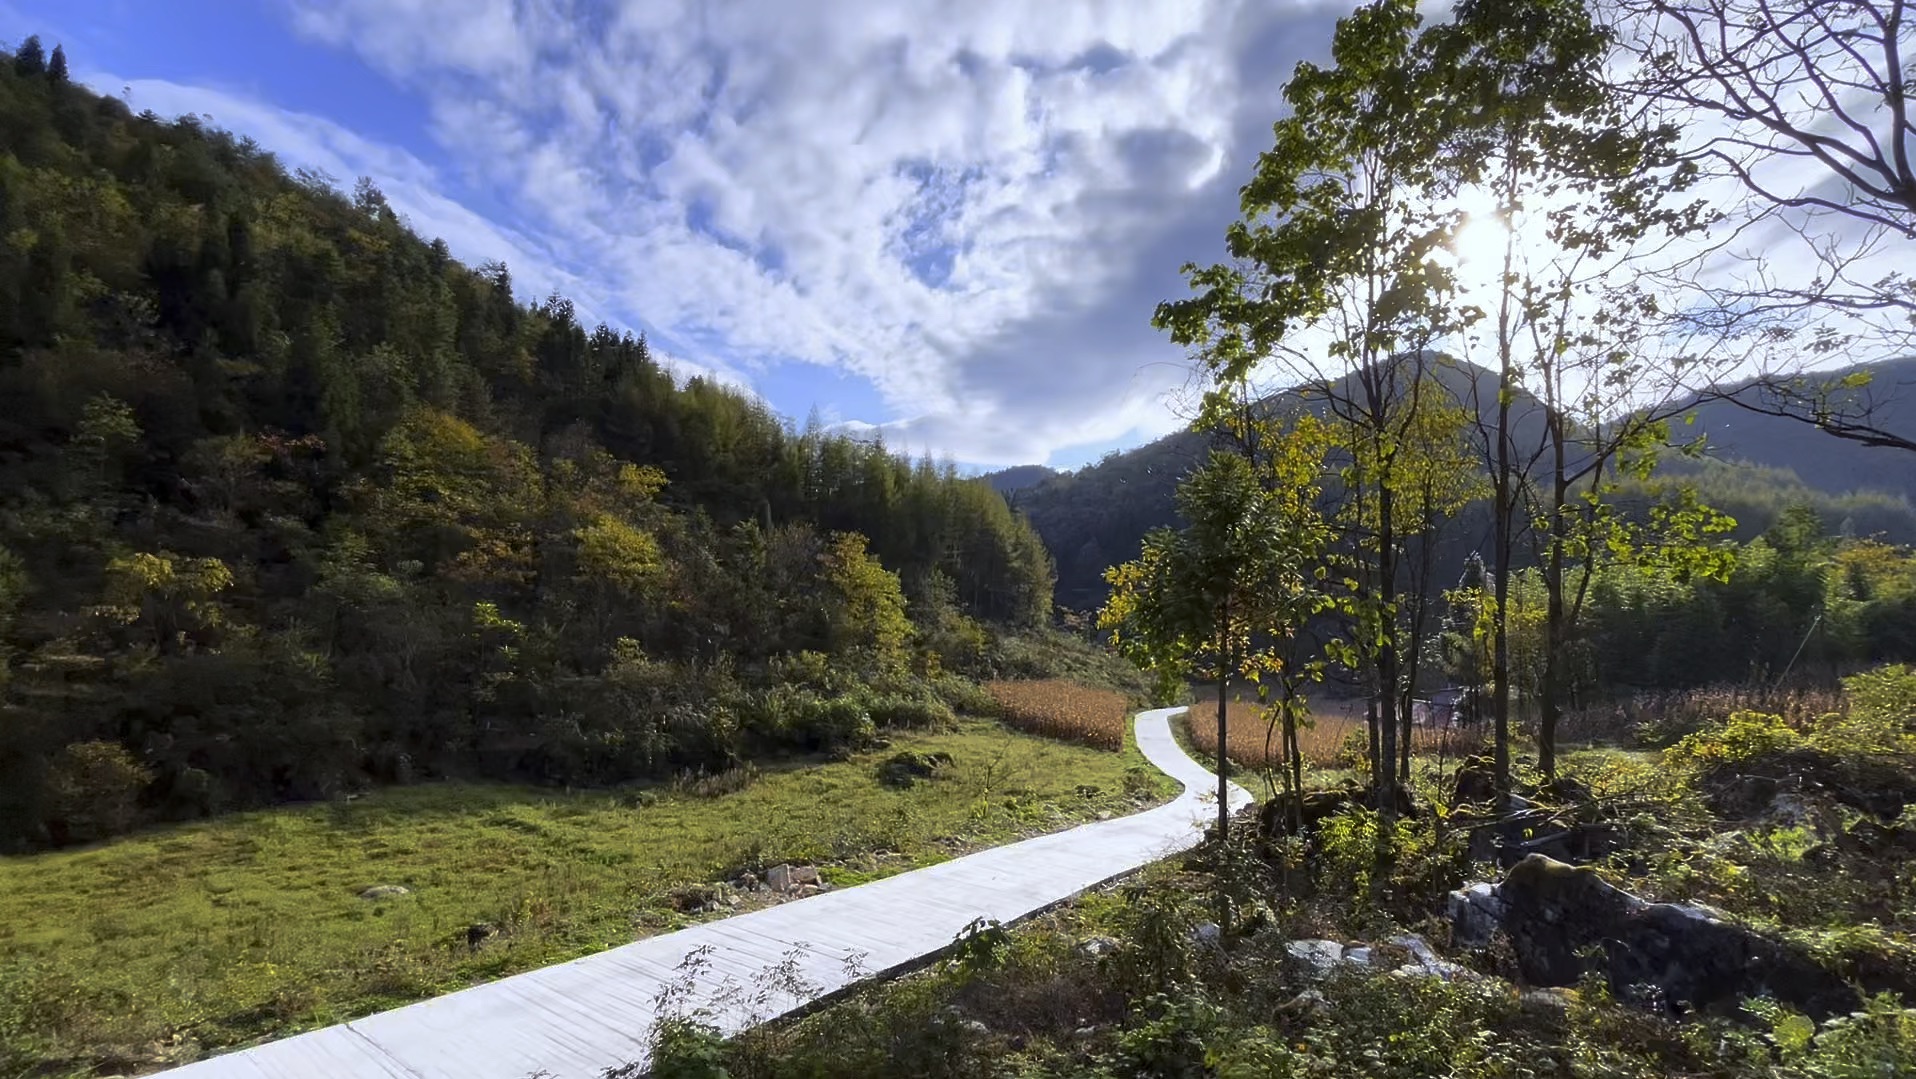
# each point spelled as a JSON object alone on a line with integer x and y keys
{"x": 1018, "y": 477}
{"x": 1820, "y": 460}
{"x": 1097, "y": 516}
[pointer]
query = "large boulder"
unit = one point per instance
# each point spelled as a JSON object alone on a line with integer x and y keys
{"x": 1564, "y": 921}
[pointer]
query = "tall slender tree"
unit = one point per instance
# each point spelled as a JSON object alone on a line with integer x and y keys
{"x": 1581, "y": 187}
{"x": 1337, "y": 285}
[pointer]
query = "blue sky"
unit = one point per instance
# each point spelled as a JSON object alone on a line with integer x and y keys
{"x": 949, "y": 221}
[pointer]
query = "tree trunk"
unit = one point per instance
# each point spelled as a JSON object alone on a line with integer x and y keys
{"x": 1294, "y": 759}
{"x": 1502, "y": 525}
{"x": 1387, "y": 658}
{"x": 1223, "y": 784}
{"x": 1550, "y": 693}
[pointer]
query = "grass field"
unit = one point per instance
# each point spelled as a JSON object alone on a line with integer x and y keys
{"x": 1332, "y": 723}
{"x": 145, "y": 951}
{"x": 1056, "y": 708}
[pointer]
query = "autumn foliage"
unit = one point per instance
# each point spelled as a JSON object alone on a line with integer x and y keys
{"x": 1056, "y": 708}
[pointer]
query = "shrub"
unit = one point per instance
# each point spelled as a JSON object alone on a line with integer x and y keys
{"x": 810, "y": 670}
{"x": 688, "y": 1049}
{"x": 1881, "y": 1040}
{"x": 911, "y": 713}
{"x": 966, "y": 696}
{"x": 1175, "y": 1041}
{"x": 1354, "y": 751}
{"x": 1745, "y": 736}
{"x": 1881, "y": 718}
{"x": 837, "y": 723}
{"x": 93, "y": 791}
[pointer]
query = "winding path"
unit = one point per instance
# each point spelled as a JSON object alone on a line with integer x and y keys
{"x": 577, "y": 1019}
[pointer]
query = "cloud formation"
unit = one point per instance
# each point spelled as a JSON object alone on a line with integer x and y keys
{"x": 973, "y": 205}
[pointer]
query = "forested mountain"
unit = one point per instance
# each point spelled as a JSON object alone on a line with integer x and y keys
{"x": 1753, "y": 467}
{"x": 1017, "y": 477}
{"x": 291, "y": 500}
{"x": 1827, "y": 464}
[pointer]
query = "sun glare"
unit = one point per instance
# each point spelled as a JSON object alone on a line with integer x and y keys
{"x": 1479, "y": 242}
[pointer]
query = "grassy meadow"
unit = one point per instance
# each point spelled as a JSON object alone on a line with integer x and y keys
{"x": 151, "y": 949}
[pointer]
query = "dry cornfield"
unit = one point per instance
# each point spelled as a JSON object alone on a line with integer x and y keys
{"x": 1065, "y": 710}
{"x": 1254, "y": 744}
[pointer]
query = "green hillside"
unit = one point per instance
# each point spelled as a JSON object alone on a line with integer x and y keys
{"x": 291, "y": 501}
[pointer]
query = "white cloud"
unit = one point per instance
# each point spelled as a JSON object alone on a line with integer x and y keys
{"x": 949, "y": 199}
{"x": 414, "y": 189}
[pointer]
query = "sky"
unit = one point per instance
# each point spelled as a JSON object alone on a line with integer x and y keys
{"x": 949, "y": 221}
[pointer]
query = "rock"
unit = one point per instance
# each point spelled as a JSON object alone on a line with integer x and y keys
{"x": 1098, "y": 947}
{"x": 1317, "y": 957}
{"x": 1675, "y": 956}
{"x": 1310, "y": 1004}
{"x": 807, "y": 889}
{"x": 1550, "y": 1006}
{"x": 747, "y": 882}
{"x": 1447, "y": 972}
{"x": 1359, "y": 956}
{"x": 804, "y": 874}
{"x": 1207, "y": 934}
{"x": 385, "y": 891}
{"x": 1104, "y": 814}
{"x": 976, "y": 1028}
{"x": 1789, "y": 811}
{"x": 1419, "y": 948}
{"x": 779, "y": 878}
{"x": 1475, "y": 913}
{"x": 906, "y": 768}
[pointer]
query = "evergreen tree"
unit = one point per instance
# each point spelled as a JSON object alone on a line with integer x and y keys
{"x": 57, "y": 67}
{"x": 30, "y": 59}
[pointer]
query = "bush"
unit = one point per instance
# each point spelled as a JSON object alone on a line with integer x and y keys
{"x": 1881, "y": 717}
{"x": 966, "y": 696}
{"x": 688, "y": 1049}
{"x": 1354, "y": 752}
{"x": 809, "y": 670}
{"x": 838, "y": 723}
{"x": 1745, "y": 736}
{"x": 93, "y": 791}
{"x": 911, "y": 713}
{"x": 1175, "y": 1041}
{"x": 1880, "y": 1040}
